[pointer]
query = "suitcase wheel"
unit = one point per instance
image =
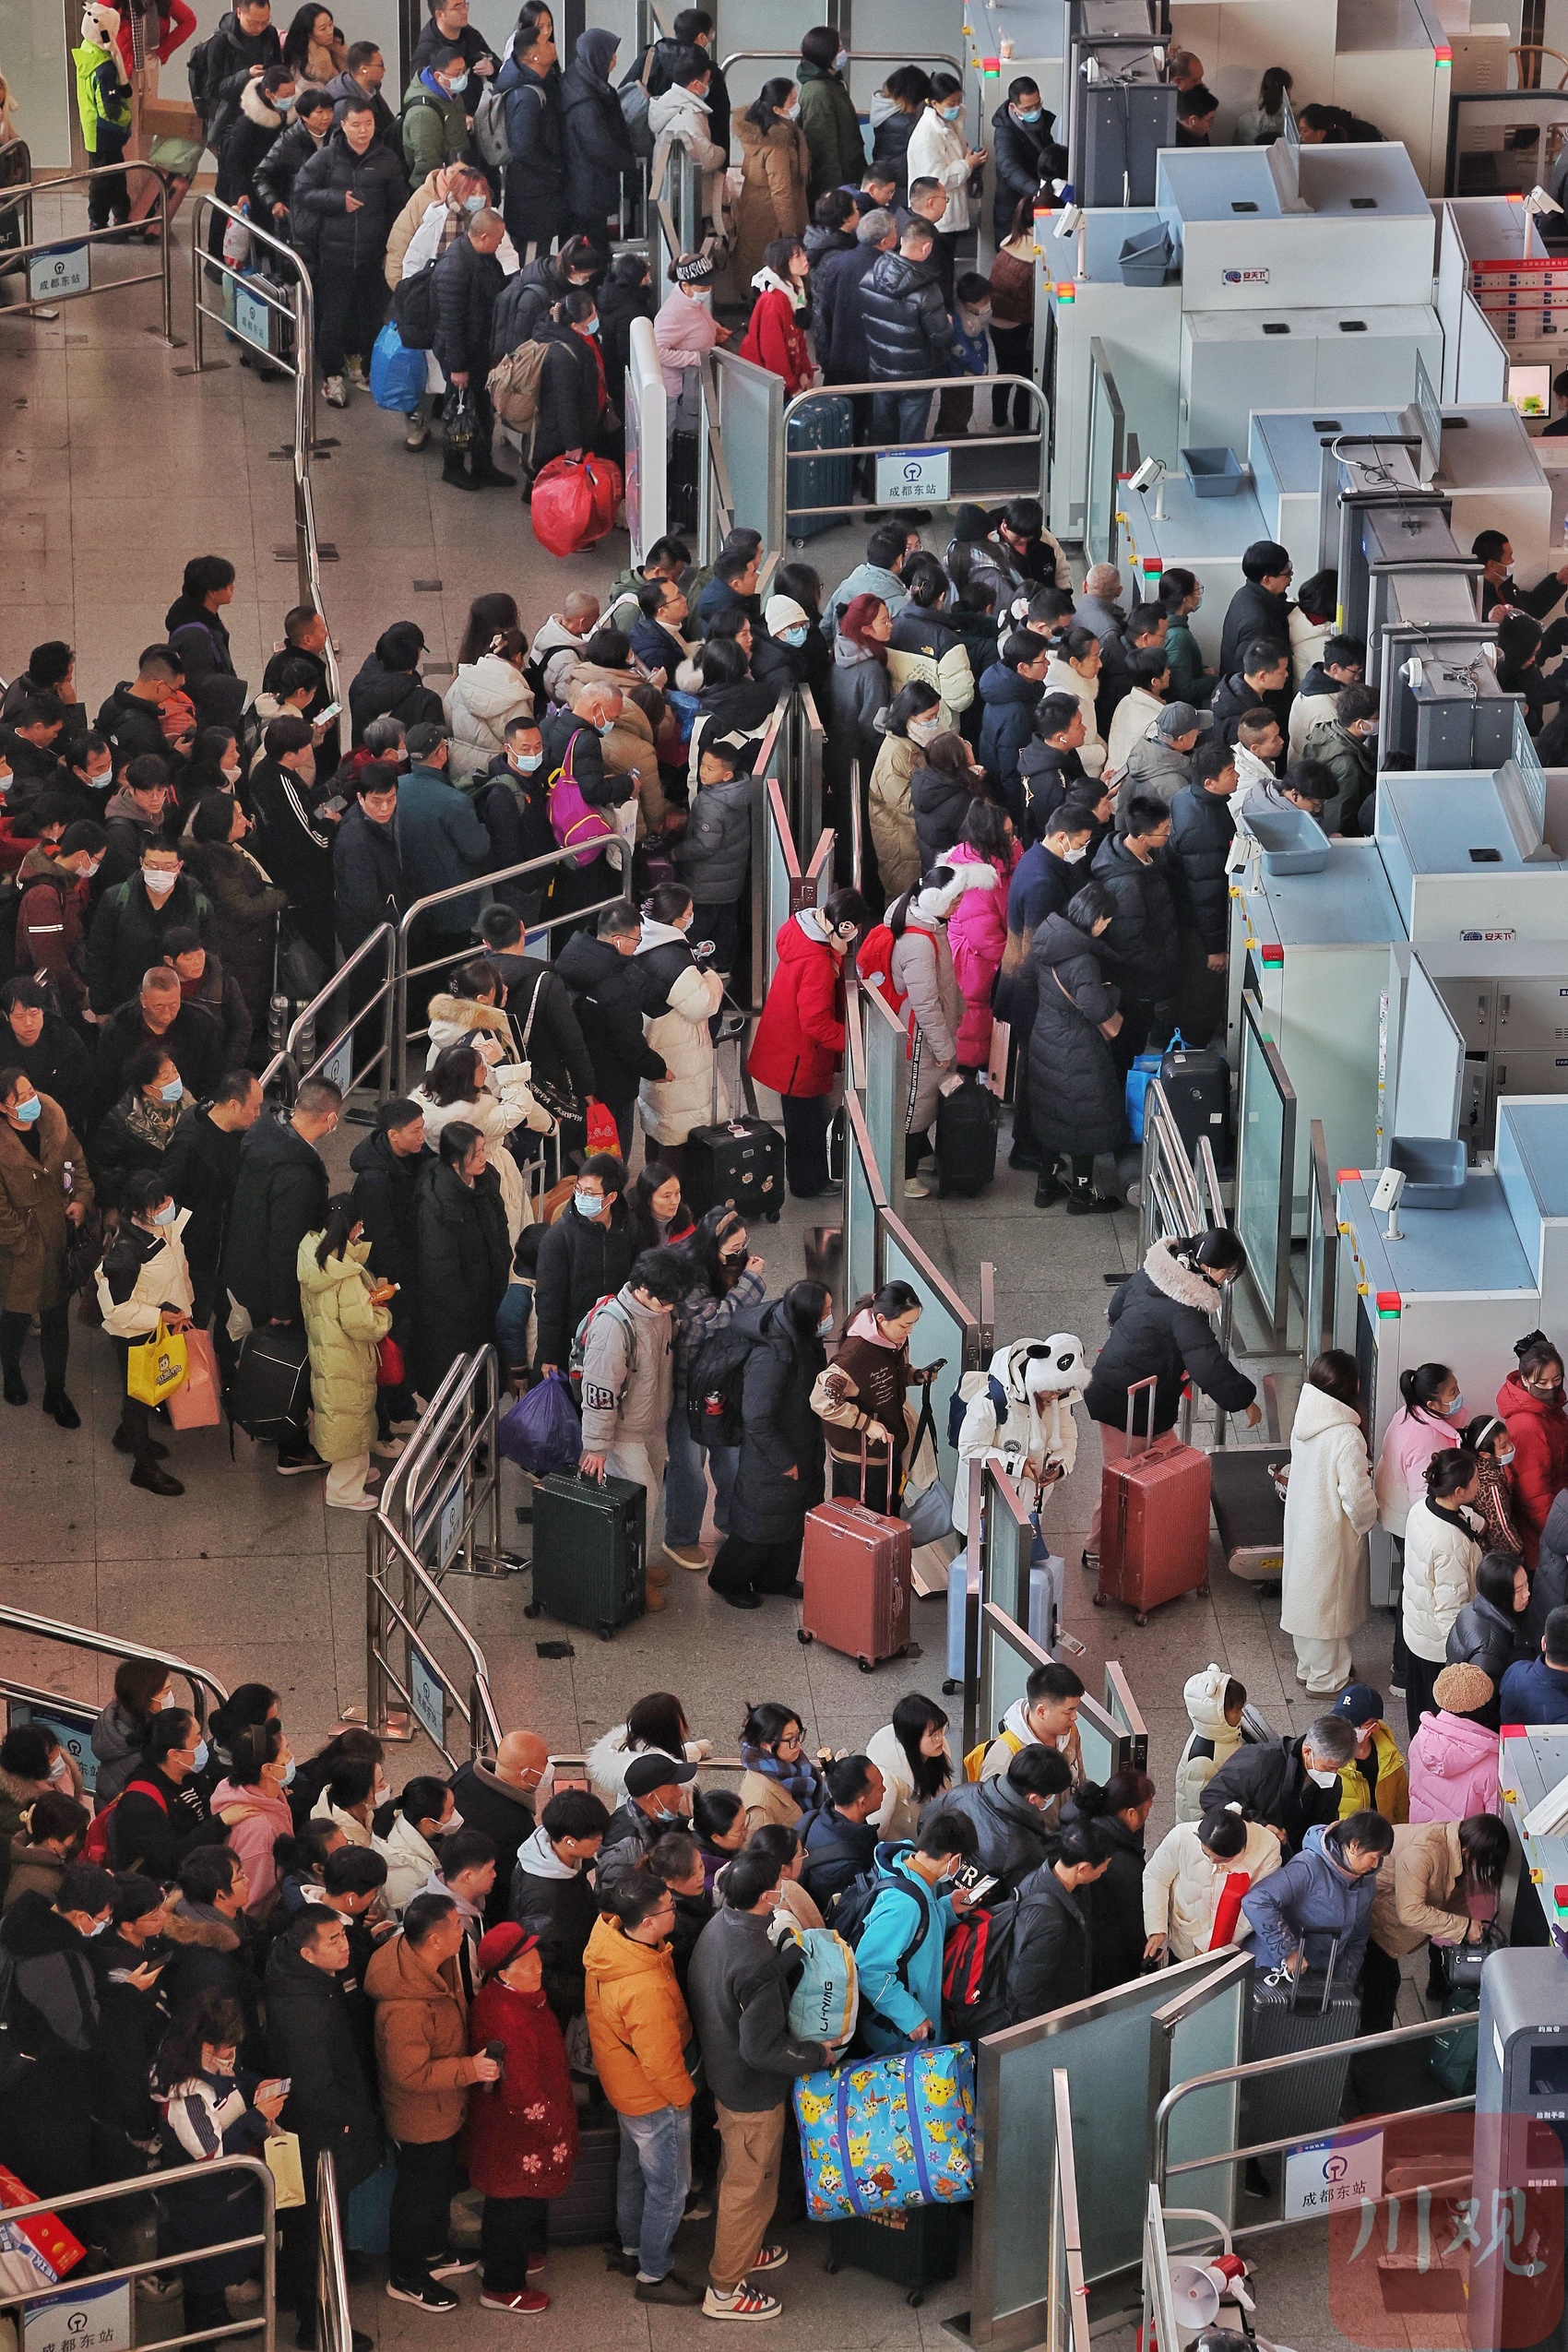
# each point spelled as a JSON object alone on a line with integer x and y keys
{"x": 533, "y": 1609}
{"x": 1099, "y": 1599}
{"x": 774, "y": 1215}
{"x": 915, "y": 2297}
{"x": 1142, "y": 1618}
{"x": 607, "y": 1633}
{"x": 831, "y": 2267}
{"x": 949, "y": 1686}
{"x": 1201, "y": 1590}
{"x": 866, "y": 1665}
{"x": 802, "y": 1636}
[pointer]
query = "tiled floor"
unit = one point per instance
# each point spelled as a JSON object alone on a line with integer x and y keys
{"x": 115, "y": 469}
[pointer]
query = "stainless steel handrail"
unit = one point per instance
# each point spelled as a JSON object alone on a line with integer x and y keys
{"x": 1066, "y": 2236}
{"x": 334, "y": 2330}
{"x": 22, "y": 194}
{"x": 897, "y": 388}
{"x": 83, "y": 1637}
{"x": 383, "y": 937}
{"x": 865, "y": 56}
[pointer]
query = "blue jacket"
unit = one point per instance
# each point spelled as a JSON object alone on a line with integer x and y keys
{"x": 1010, "y": 704}
{"x": 441, "y": 841}
{"x": 1532, "y": 1692}
{"x": 894, "y": 2003}
{"x": 1308, "y": 1903}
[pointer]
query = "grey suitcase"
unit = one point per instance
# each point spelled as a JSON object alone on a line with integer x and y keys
{"x": 589, "y": 1551}
{"x": 1299, "y": 2014}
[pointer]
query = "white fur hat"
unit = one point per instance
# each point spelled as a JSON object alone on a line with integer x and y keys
{"x": 101, "y": 24}
{"x": 1062, "y": 1367}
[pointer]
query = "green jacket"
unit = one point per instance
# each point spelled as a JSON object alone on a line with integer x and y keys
{"x": 103, "y": 101}
{"x": 1352, "y": 762}
{"x": 435, "y": 130}
{"x": 832, "y": 132}
{"x": 341, "y": 1330}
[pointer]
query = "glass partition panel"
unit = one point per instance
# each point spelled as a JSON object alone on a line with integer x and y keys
{"x": 946, "y": 1330}
{"x": 1105, "y": 2045}
{"x": 1266, "y": 1161}
{"x": 1007, "y": 1658}
{"x": 863, "y": 1196}
{"x": 1107, "y": 441}
{"x": 1203, "y": 2033}
{"x": 781, "y": 869}
{"x": 1006, "y": 1546}
{"x": 1098, "y": 1751}
{"x": 886, "y": 1087}
{"x": 751, "y": 421}
{"x": 1322, "y": 1251}
{"x": 1122, "y": 1709}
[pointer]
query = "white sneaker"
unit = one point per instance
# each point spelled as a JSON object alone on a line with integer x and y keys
{"x": 359, "y": 1503}
{"x": 915, "y": 1191}
{"x": 747, "y": 2302}
{"x": 355, "y": 372}
{"x": 389, "y": 1447}
{"x": 337, "y": 392}
{"x": 416, "y": 436}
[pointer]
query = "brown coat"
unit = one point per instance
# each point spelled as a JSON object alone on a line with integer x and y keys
{"x": 32, "y": 1208}
{"x": 421, "y": 2042}
{"x": 776, "y": 165}
{"x": 1419, "y": 1889}
{"x": 431, "y": 190}
{"x": 33, "y": 1872}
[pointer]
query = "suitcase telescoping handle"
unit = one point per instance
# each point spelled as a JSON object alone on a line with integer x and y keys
{"x": 1151, "y": 1384}
{"x": 1327, "y": 1981}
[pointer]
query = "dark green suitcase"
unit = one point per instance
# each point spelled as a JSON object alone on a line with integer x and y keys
{"x": 915, "y": 2246}
{"x": 589, "y": 1551}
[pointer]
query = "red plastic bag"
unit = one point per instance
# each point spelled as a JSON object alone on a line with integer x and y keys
{"x": 389, "y": 1366}
{"x": 573, "y": 502}
{"x": 198, "y": 1403}
{"x": 603, "y": 1132}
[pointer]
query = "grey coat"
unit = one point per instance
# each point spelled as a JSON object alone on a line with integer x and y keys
{"x": 738, "y": 1992}
{"x": 858, "y": 691}
{"x": 713, "y": 854}
{"x": 1076, "y": 1094}
{"x": 1154, "y": 768}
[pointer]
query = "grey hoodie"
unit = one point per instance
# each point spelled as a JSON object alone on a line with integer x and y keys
{"x": 1154, "y": 768}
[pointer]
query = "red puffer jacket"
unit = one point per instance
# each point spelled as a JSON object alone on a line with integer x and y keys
{"x": 800, "y": 1038}
{"x": 522, "y": 2131}
{"x": 775, "y": 341}
{"x": 1538, "y": 1427}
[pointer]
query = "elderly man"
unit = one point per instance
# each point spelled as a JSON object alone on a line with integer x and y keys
{"x": 558, "y": 645}
{"x": 468, "y": 277}
{"x": 157, "y": 1015}
{"x": 1098, "y": 608}
{"x": 574, "y": 735}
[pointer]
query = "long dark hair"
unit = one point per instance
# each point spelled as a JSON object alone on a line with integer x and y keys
{"x": 715, "y": 1228}
{"x": 764, "y": 108}
{"x": 657, "y": 1721}
{"x": 342, "y": 1216}
{"x": 893, "y": 1299}
{"x": 455, "y": 1075}
{"x": 296, "y": 40}
{"x": 646, "y": 1235}
{"x": 489, "y": 617}
{"x": 212, "y": 2017}
{"x": 914, "y": 1715}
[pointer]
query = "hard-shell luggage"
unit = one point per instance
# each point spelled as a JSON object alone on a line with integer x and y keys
{"x": 272, "y": 1391}
{"x": 1154, "y": 1509}
{"x": 1045, "y": 1584}
{"x": 828, "y": 424}
{"x": 881, "y": 2134}
{"x": 584, "y": 2214}
{"x": 1289, "y": 2015}
{"x": 1196, "y": 1083}
{"x": 966, "y": 1139}
{"x": 1249, "y": 1509}
{"x": 681, "y": 481}
{"x": 737, "y": 1162}
{"x": 855, "y": 1565}
{"x": 918, "y": 2247}
{"x": 589, "y": 1551}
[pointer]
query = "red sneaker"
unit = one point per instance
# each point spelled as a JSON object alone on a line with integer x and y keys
{"x": 531, "y": 2302}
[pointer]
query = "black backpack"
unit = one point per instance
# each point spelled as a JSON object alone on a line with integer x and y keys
{"x": 414, "y": 309}
{"x": 199, "y": 73}
{"x": 716, "y": 1379}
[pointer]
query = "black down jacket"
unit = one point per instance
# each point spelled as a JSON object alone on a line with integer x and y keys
{"x": 780, "y": 1431}
{"x": 1160, "y": 1324}
{"x": 311, "y": 2040}
{"x": 281, "y": 167}
{"x": 568, "y": 394}
{"x": 1202, "y": 830}
{"x": 610, "y": 1014}
{"x": 1143, "y": 930}
{"x": 941, "y": 805}
{"x": 282, "y": 1196}
{"x": 466, "y": 285}
{"x": 599, "y": 146}
{"x": 386, "y": 1200}
{"x": 379, "y": 693}
{"x": 1012, "y": 1830}
{"x": 909, "y": 333}
{"x": 1061, "y": 996}
{"x": 536, "y": 151}
{"x": 529, "y": 297}
{"x": 465, "y": 1259}
{"x": 325, "y": 231}
{"x": 1024, "y": 154}
{"x": 1482, "y": 1636}
{"x": 579, "y": 1260}
{"x": 1052, "y": 1948}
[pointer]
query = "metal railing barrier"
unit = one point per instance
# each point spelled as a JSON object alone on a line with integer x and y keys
{"x": 101, "y": 2285}
{"x": 334, "y": 2323}
{"x": 338, "y": 1060}
{"x": 252, "y": 304}
{"x": 445, "y": 1477}
{"x": 616, "y": 856}
{"x": 59, "y": 269}
{"x": 71, "y": 1719}
{"x": 1162, "y": 2170}
{"x": 1181, "y": 1196}
{"x": 1067, "y": 2319}
{"x": 924, "y": 474}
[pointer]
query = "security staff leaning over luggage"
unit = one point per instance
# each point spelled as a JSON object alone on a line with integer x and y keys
{"x": 1292, "y": 1786}
{"x": 1160, "y": 1320}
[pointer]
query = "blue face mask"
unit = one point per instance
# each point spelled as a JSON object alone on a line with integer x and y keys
{"x": 606, "y": 725}
{"x": 30, "y": 1110}
{"x": 198, "y": 1762}
{"x": 166, "y": 1214}
{"x": 474, "y": 203}
{"x": 283, "y": 105}
{"x": 526, "y": 762}
{"x": 587, "y": 1203}
{"x": 458, "y": 83}
{"x": 949, "y": 114}
{"x": 172, "y": 1091}
{"x": 792, "y": 636}
{"x": 289, "y": 1772}
{"x": 1029, "y": 113}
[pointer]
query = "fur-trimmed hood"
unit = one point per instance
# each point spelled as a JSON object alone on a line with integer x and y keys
{"x": 20, "y": 1792}
{"x": 934, "y": 906}
{"x": 1182, "y": 1283}
{"x": 186, "y": 1924}
{"x": 254, "y": 109}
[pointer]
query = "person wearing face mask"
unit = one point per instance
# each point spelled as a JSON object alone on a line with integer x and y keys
{"x": 628, "y": 1364}
{"x": 729, "y": 1284}
{"x": 244, "y": 900}
{"x": 899, "y": 1950}
{"x": 599, "y": 155}
{"x": 250, "y": 1803}
{"x": 1027, "y": 153}
{"x": 1161, "y": 1323}
{"x": 345, "y": 200}
{"x": 960, "y": 411}
{"x": 131, "y": 1139}
{"x": 799, "y": 1046}
{"x": 780, "y": 1473}
{"x": 143, "y": 1279}
{"x": 52, "y": 2012}
{"x": 266, "y": 106}
{"x": 37, "y": 1039}
{"x": 1530, "y": 1401}
{"x": 1291, "y": 1785}
{"x": 299, "y": 832}
{"x": 679, "y": 998}
{"x": 425, "y": 1812}
{"x": 778, "y": 658}
{"x": 640, "y": 2030}
{"x": 1443, "y": 1551}
{"x": 158, "y": 1019}
{"x": 436, "y": 115}
{"x": 83, "y": 785}
{"x": 939, "y": 151}
{"x": 132, "y": 914}
{"x": 1491, "y": 1440}
{"x": 45, "y": 1192}
{"x": 573, "y": 394}
{"x": 162, "y": 1817}
{"x": 52, "y": 884}
{"x": 827, "y": 115}
{"x": 652, "y": 1805}
{"x": 1346, "y": 746}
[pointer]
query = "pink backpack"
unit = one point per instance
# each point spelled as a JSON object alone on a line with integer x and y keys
{"x": 571, "y": 819}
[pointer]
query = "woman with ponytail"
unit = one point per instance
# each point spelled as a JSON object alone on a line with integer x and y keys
{"x": 1118, "y": 1812}
{"x": 1196, "y": 1878}
{"x": 1261, "y": 125}
{"x": 1443, "y": 1551}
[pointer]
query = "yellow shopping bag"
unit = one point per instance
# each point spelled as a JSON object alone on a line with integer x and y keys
{"x": 155, "y": 1366}
{"x": 281, "y": 2150}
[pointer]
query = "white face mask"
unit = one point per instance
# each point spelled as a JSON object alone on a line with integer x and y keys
{"x": 160, "y": 884}
{"x": 1320, "y": 1778}
{"x": 1074, "y": 857}
{"x": 921, "y": 730}
{"x": 825, "y": 1327}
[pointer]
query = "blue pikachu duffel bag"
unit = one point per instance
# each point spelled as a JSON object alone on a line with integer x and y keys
{"x": 882, "y": 2133}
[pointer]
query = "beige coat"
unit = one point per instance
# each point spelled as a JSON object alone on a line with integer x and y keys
{"x": 1330, "y": 1509}
{"x": 1419, "y": 1889}
{"x": 432, "y": 190}
{"x": 892, "y": 814}
{"x": 33, "y": 1229}
{"x": 774, "y": 167}
{"x": 765, "y": 1800}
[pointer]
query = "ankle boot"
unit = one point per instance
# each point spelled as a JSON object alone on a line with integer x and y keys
{"x": 454, "y": 473}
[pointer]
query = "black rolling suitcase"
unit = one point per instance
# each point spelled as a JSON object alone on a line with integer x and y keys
{"x": 736, "y": 1162}
{"x": 1296, "y": 2014}
{"x": 270, "y": 1396}
{"x": 916, "y": 2246}
{"x": 828, "y": 424}
{"x": 589, "y": 1551}
{"x": 584, "y": 2214}
{"x": 1197, "y": 1087}
{"x": 966, "y": 1139}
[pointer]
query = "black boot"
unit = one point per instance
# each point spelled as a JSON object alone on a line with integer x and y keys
{"x": 1084, "y": 1200}
{"x": 1048, "y": 1190}
{"x": 489, "y": 476}
{"x": 455, "y": 473}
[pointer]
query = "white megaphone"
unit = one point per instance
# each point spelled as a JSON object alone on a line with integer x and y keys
{"x": 1195, "y": 2297}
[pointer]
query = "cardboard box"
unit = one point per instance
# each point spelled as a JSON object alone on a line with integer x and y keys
{"x": 174, "y": 118}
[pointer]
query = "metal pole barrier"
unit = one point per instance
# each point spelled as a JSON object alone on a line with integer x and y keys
{"x": 1035, "y": 487}
{"x": 83, "y": 1637}
{"x": 81, "y": 241}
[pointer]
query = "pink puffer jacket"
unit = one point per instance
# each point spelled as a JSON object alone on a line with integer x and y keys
{"x": 1453, "y": 1766}
{"x": 976, "y": 934}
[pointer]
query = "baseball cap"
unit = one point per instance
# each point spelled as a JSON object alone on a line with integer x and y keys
{"x": 644, "y": 1774}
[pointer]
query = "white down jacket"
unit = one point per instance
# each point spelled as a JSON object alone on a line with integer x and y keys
{"x": 503, "y": 1102}
{"x": 1035, "y": 1431}
{"x": 671, "y": 1107}
{"x": 483, "y": 697}
{"x": 1442, "y": 1555}
{"x": 1329, "y": 1509}
{"x": 1211, "y": 1742}
{"x": 1182, "y": 1882}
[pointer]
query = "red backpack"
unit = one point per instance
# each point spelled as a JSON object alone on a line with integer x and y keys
{"x": 95, "y": 1845}
{"x": 874, "y": 962}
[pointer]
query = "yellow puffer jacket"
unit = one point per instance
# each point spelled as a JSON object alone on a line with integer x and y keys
{"x": 638, "y": 2021}
{"x": 342, "y": 1329}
